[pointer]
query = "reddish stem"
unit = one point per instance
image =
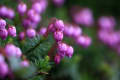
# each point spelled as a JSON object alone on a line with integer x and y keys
{"x": 51, "y": 51}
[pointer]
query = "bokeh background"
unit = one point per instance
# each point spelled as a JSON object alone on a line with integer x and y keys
{"x": 98, "y": 61}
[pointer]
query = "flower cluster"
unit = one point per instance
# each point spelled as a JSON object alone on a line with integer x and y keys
{"x": 57, "y": 28}
{"x": 8, "y": 52}
{"x": 6, "y": 12}
{"x": 32, "y": 17}
{"x": 4, "y": 32}
{"x": 75, "y": 32}
{"x": 83, "y": 16}
{"x": 107, "y": 34}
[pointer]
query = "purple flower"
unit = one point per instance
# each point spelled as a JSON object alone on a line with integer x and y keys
{"x": 84, "y": 41}
{"x": 12, "y": 31}
{"x": 69, "y": 30}
{"x": 10, "y": 13}
{"x": 27, "y": 23}
{"x": 57, "y": 59}
{"x": 3, "y": 33}
{"x": 25, "y": 63}
{"x": 31, "y": 33}
{"x": 84, "y": 17}
{"x": 31, "y": 12}
{"x": 69, "y": 51}
{"x": 35, "y": 17}
{"x": 18, "y": 52}
{"x": 108, "y": 37}
{"x": 3, "y": 11}
{"x": 43, "y": 4}
{"x": 62, "y": 47}
{"x": 21, "y": 8}
{"x": 10, "y": 50}
{"x": 59, "y": 25}
{"x": 3, "y": 69}
{"x": 58, "y": 35}
{"x": 42, "y": 31}
{"x": 106, "y": 22}
{"x": 2, "y": 59}
{"x": 2, "y": 23}
{"x": 77, "y": 32}
{"x": 58, "y": 3}
{"x": 51, "y": 28}
{"x": 113, "y": 39}
{"x": 21, "y": 35}
{"x": 61, "y": 54}
{"x": 37, "y": 7}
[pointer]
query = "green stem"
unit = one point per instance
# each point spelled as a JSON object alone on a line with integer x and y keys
{"x": 33, "y": 48}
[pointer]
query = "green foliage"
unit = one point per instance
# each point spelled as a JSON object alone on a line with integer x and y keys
{"x": 19, "y": 71}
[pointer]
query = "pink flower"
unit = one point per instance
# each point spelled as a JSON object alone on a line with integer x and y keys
{"x": 21, "y": 8}
{"x": 106, "y": 22}
{"x": 2, "y": 23}
{"x": 3, "y": 69}
{"x": 31, "y": 33}
{"x": 3, "y": 33}
{"x": 58, "y": 35}
{"x": 84, "y": 41}
{"x": 69, "y": 51}
{"x": 12, "y": 31}
{"x": 57, "y": 59}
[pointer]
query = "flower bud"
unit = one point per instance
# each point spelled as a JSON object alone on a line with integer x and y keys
{"x": 68, "y": 31}
{"x": 57, "y": 59}
{"x": 10, "y": 13}
{"x": 58, "y": 35}
{"x": 10, "y": 50}
{"x": 35, "y": 17}
{"x": 3, "y": 11}
{"x": 59, "y": 25}
{"x": 27, "y": 23}
{"x": 84, "y": 41}
{"x": 37, "y": 7}
{"x": 2, "y": 24}
{"x": 61, "y": 54}
{"x": 21, "y": 35}
{"x": 12, "y": 31}
{"x": 69, "y": 51}
{"x": 31, "y": 33}
{"x": 25, "y": 63}
{"x": 42, "y": 31}
{"x": 3, "y": 33}
{"x": 22, "y": 8}
{"x": 58, "y": 3}
{"x": 77, "y": 32}
{"x": 3, "y": 69}
{"x": 51, "y": 28}
{"x": 18, "y": 52}
{"x": 62, "y": 47}
{"x": 106, "y": 22}
{"x": 84, "y": 17}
